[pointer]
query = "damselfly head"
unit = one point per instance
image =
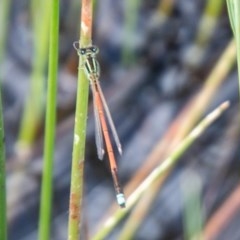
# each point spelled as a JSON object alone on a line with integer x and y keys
{"x": 91, "y": 50}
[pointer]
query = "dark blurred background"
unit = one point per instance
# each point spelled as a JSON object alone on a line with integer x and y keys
{"x": 152, "y": 65}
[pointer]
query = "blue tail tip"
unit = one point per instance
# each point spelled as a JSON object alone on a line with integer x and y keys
{"x": 121, "y": 200}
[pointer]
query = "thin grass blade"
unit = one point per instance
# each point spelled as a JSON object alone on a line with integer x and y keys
{"x": 46, "y": 189}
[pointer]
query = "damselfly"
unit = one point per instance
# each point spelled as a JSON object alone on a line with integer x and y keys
{"x": 101, "y": 112}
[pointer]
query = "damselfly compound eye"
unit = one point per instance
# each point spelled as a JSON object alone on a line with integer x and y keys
{"x": 94, "y": 49}
{"x": 83, "y": 51}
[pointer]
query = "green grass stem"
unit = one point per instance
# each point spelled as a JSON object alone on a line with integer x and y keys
{"x": 46, "y": 190}
{"x": 230, "y": 6}
{"x": 234, "y": 16}
{"x": 113, "y": 220}
{"x": 33, "y": 108}
{"x": 191, "y": 188}
{"x": 4, "y": 20}
{"x": 78, "y": 154}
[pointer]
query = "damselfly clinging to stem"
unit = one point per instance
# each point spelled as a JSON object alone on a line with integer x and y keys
{"x": 101, "y": 112}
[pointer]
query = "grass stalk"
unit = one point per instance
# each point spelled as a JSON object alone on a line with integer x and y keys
{"x": 33, "y": 108}
{"x": 4, "y": 19}
{"x": 46, "y": 190}
{"x": 78, "y": 155}
{"x": 191, "y": 188}
{"x": 234, "y": 16}
{"x": 230, "y": 6}
{"x": 112, "y": 221}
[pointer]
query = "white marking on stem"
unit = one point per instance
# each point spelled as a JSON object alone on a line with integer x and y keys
{"x": 76, "y": 139}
